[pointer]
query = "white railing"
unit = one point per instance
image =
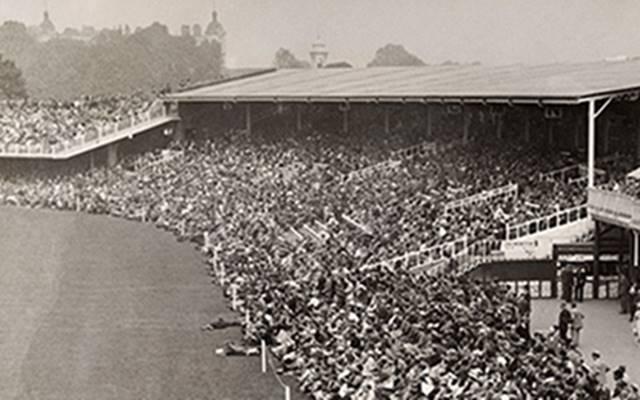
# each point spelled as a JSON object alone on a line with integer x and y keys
{"x": 503, "y": 192}
{"x": 425, "y": 256}
{"x": 423, "y": 148}
{"x": 542, "y": 224}
{"x": 370, "y": 170}
{"x": 156, "y": 111}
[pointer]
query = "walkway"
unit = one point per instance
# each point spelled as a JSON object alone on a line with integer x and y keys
{"x": 605, "y": 330}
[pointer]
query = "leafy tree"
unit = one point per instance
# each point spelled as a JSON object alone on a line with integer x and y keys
{"x": 339, "y": 64}
{"x": 11, "y": 81}
{"x": 286, "y": 59}
{"x": 394, "y": 55}
{"x": 112, "y": 63}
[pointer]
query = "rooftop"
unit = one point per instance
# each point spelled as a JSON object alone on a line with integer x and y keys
{"x": 554, "y": 83}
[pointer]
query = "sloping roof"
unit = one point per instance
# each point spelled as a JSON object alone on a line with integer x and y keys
{"x": 635, "y": 174}
{"x": 559, "y": 83}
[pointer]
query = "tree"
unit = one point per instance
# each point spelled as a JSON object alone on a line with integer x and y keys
{"x": 286, "y": 59}
{"x": 339, "y": 64}
{"x": 11, "y": 81}
{"x": 394, "y": 55}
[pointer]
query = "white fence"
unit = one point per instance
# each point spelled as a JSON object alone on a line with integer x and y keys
{"x": 537, "y": 225}
{"x": 370, "y": 170}
{"x": 422, "y": 149}
{"x": 425, "y": 256}
{"x": 502, "y": 192}
{"x": 156, "y": 111}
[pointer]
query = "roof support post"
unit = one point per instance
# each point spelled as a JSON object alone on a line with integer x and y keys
{"x": 466, "y": 122}
{"x": 499, "y": 124}
{"x": 298, "y": 117}
{"x": 592, "y": 115}
{"x": 345, "y": 120}
{"x": 591, "y": 151}
{"x": 428, "y": 121}
{"x": 387, "y": 123}
{"x": 550, "y": 132}
{"x": 596, "y": 259}
{"x": 247, "y": 118}
{"x": 527, "y": 129}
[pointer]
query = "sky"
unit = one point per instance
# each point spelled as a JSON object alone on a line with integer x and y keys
{"x": 493, "y": 32}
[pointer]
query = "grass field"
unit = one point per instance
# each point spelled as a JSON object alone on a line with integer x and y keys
{"x": 98, "y": 308}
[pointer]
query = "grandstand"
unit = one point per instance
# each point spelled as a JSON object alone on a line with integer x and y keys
{"x": 343, "y": 211}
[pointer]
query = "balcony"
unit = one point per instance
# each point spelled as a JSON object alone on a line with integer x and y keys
{"x": 614, "y": 208}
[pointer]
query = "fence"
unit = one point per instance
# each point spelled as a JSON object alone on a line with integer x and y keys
{"x": 156, "y": 110}
{"x": 503, "y": 191}
{"x": 370, "y": 170}
{"x": 426, "y": 256}
{"x": 545, "y": 223}
{"x": 422, "y": 149}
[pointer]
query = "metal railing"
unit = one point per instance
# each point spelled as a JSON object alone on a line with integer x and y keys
{"x": 542, "y": 224}
{"x": 156, "y": 111}
{"x": 503, "y": 191}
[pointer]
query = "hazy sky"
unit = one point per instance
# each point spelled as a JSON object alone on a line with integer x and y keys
{"x": 490, "y": 31}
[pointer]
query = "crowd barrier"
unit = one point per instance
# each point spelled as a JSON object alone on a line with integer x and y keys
{"x": 537, "y": 225}
{"x": 503, "y": 191}
{"x": 156, "y": 111}
{"x": 370, "y": 170}
{"x": 422, "y": 149}
{"x": 424, "y": 257}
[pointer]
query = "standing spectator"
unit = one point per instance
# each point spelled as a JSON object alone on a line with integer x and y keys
{"x": 581, "y": 279}
{"x": 577, "y": 318}
{"x": 564, "y": 320}
{"x": 600, "y": 369}
{"x": 634, "y": 296}
{"x": 566, "y": 277}
{"x": 625, "y": 286}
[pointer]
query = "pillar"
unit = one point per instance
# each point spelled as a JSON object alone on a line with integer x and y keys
{"x": 387, "y": 123}
{"x": 466, "y": 123}
{"x": 247, "y": 118}
{"x": 345, "y": 120}
{"x": 179, "y": 131}
{"x": 92, "y": 160}
{"x": 591, "y": 153}
{"x": 499, "y": 126}
{"x": 550, "y": 128}
{"x": 430, "y": 133}
{"x": 112, "y": 155}
{"x": 299, "y": 117}
{"x": 637, "y": 121}
{"x": 527, "y": 129}
{"x": 596, "y": 260}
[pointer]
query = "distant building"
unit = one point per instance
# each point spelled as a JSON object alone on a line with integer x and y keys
{"x": 197, "y": 31}
{"x": 215, "y": 31}
{"x": 319, "y": 54}
{"x": 185, "y": 31}
{"x": 45, "y": 31}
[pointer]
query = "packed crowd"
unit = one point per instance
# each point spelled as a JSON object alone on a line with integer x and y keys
{"x": 50, "y": 122}
{"x": 294, "y": 237}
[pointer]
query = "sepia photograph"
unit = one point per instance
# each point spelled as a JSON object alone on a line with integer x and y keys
{"x": 319, "y": 200}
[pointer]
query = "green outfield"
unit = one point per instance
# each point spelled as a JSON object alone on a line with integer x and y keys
{"x": 99, "y": 308}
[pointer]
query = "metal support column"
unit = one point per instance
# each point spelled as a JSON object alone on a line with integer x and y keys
{"x": 345, "y": 120}
{"x": 466, "y": 122}
{"x": 299, "y": 117}
{"x": 247, "y": 118}
{"x": 387, "y": 122}
{"x": 592, "y": 115}
{"x": 596, "y": 260}
{"x": 428, "y": 116}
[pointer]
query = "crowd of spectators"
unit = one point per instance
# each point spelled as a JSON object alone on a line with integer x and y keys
{"x": 294, "y": 236}
{"x": 51, "y": 122}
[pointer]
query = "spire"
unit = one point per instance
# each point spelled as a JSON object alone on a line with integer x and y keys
{"x": 318, "y": 53}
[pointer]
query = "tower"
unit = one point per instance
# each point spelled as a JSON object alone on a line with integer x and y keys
{"x": 318, "y": 53}
{"x": 215, "y": 30}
